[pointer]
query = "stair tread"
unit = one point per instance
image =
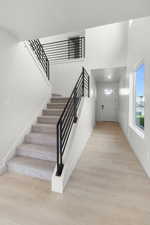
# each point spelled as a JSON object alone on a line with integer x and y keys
{"x": 54, "y": 94}
{"x": 60, "y": 97}
{"x": 37, "y": 138}
{"x": 33, "y": 163}
{"x": 35, "y": 147}
{"x": 44, "y": 128}
{"x": 48, "y": 116}
{"x": 57, "y": 103}
{"x": 45, "y": 125}
{"x": 48, "y": 119}
{"x": 60, "y": 104}
{"x": 52, "y": 109}
{"x": 44, "y": 135}
{"x": 37, "y": 151}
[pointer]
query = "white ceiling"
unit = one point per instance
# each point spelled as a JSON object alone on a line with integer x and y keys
{"x": 109, "y": 74}
{"x": 40, "y": 18}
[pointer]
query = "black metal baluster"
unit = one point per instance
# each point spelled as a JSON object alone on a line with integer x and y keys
{"x": 83, "y": 81}
{"x": 88, "y": 86}
{"x": 47, "y": 68}
{"x": 59, "y": 150}
{"x": 61, "y": 153}
{"x": 75, "y": 105}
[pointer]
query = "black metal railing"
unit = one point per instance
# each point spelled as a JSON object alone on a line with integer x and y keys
{"x": 70, "y": 116}
{"x": 41, "y": 55}
{"x": 73, "y": 48}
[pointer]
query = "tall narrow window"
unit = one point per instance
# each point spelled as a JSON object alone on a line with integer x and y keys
{"x": 139, "y": 96}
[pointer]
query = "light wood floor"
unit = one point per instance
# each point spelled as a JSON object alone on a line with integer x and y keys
{"x": 109, "y": 187}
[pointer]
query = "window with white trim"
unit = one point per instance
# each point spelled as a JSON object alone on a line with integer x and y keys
{"x": 139, "y": 96}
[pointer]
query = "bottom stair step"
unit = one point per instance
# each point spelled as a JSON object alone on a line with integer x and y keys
{"x": 37, "y": 151}
{"x": 41, "y": 169}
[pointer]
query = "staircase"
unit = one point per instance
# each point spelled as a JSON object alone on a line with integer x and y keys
{"x": 36, "y": 156}
{"x": 44, "y": 146}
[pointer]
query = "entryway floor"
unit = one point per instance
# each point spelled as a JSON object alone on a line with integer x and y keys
{"x": 108, "y": 187}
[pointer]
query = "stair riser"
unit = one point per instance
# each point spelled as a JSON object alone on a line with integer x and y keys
{"x": 48, "y": 120}
{"x": 52, "y": 112}
{"x": 45, "y": 130}
{"x": 25, "y": 170}
{"x": 56, "y": 96}
{"x": 41, "y": 141}
{"x": 57, "y": 100}
{"x": 37, "y": 154}
{"x": 55, "y": 106}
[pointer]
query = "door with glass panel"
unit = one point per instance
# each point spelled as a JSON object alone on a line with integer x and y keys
{"x": 107, "y": 102}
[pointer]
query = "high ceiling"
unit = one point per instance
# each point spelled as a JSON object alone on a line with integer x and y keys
{"x": 109, "y": 74}
{"x": 39, "y": 18}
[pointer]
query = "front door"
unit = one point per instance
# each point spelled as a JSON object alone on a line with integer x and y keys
{"x": 107, "y": 102}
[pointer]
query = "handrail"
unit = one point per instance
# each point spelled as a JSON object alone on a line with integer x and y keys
{"x": 69, "y": 116}
{"x": 41, "y": 55}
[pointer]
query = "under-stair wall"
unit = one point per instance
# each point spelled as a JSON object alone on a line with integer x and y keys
{"x": 23, "y": 93}
{"x": 78, "y": 139}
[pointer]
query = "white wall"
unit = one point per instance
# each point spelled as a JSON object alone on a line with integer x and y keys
{"x": 23, "y": 91}
{"x": 138, "y": 49}
{"x": 106, "y": 46}
{"x": 61, "y": 37}
{"x": 64, "y": 76}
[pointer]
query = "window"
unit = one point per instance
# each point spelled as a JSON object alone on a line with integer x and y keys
{"x": 74, "y": 48}
{"x": 139, "y": 97}
{"x": 108, "y": 91}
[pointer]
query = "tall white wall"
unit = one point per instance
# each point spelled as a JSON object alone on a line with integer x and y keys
{"x": 64, "y": 76}
{"x": 138, "y": 49}
{"x": 23, "y": 91}
{"x": 106, "y": 46}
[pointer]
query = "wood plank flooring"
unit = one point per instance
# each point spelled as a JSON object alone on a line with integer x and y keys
{"x": 108, "y": 187}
